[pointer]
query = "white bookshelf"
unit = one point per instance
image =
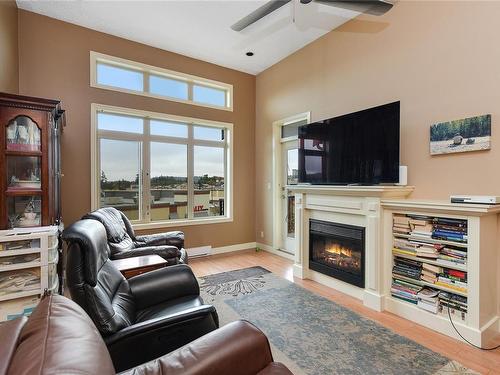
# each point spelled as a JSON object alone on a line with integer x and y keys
{"x": 481, "y": 322}
{"x": 26, "y": 253}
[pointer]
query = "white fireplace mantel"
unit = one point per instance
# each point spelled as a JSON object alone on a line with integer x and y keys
{"x": 353, "y": 205}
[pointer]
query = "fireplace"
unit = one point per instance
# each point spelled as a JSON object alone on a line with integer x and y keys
{"x": 337, "y": 250}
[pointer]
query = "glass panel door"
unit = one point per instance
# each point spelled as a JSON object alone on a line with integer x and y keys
{"x": 168, "y": 184}
{"x": 120, "y": 172}
{"x": 290, "y": 177}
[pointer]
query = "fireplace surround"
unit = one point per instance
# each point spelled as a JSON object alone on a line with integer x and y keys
{"x": 358, "y": 207}
{"x": 337, "y": 250}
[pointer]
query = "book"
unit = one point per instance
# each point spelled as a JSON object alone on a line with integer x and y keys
{"x": 414, "y": 301}
{"x": 449, "y": 263}
{"x": 428, "y": 294}
{"x": 454, "y": 287}
{"x": 456, "y": 273}
{"x": 432, "y": 268}
{"x": 429, "y": 279}
{"x": 431, "y": 307}
{"x": 449, "y": 233}
{"x": 447, "y": 280}
{"x": 448, "y": 221}
{"x": 403, "y": 251}
{"x": 405, "y": 284}
{"x": 429, "y": 273}
{"x": 450, "y": 227}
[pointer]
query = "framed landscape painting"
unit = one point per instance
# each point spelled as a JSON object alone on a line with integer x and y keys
{"x": 468, "y": 134}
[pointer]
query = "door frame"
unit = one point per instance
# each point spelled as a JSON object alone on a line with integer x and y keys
{"x": 277, "y": 165}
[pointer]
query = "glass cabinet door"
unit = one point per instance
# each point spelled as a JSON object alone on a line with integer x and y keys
{"x": 23, "y": 172}
{"x": 22, "y": 134}
{"x": 24, "y": 211}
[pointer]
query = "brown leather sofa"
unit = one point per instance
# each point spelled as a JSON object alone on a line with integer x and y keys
{"x": 59, "y": 338}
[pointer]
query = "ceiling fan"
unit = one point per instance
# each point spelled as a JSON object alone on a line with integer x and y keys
{"x": 373, "y": 7}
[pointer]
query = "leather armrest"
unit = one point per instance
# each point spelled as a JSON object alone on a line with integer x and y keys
{"x": 164, "y": 284}
{"x": 237, "y": 348}
{"x": 166, "y": 252}
{"x": 174, "y": 238}
{"x": 150, "y": 339}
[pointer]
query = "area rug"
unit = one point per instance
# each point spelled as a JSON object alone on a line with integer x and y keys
{"x": 313, "y": 335}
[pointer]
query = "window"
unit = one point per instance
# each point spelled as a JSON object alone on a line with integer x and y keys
{"x": 129, "y": 79}
{"x": 209, "y": 95}
{"x": 160, "y": 169}
{"x": 168, "y": 87}
{"x": 118, "y": 74}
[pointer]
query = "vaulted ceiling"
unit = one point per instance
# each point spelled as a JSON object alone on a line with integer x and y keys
{"x": 201, "y": 29}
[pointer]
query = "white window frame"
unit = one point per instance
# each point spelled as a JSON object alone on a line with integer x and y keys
{"x": 144, "y": 222}
{"x": 147, "y": 70}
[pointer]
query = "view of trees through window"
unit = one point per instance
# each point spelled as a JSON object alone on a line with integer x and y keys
{"x": 161, "y": 152}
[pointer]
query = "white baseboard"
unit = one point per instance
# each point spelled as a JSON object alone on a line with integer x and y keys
{"x": 274, "y": 251}
{"x": 231, "y": 248}
{"x": 199, "y": 251}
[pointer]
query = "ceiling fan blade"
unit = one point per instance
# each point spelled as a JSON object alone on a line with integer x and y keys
{"x": 259, "y": 13}
{"x": 373, "y": 7}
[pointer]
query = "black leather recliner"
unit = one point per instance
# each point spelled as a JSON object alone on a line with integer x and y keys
{"x": 140, "y": 318}
{"x": 124, "y": 244}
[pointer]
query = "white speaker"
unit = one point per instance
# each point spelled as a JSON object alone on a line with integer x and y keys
{"x": 403, "y": 175}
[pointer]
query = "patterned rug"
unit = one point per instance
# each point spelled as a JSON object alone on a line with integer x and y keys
{"x": 313, "y": 335}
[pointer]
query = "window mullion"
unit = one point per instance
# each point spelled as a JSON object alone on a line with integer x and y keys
{"x": 146, "y": 172}
{"x": 145, "y": 81}
{"x": 190, "y": 91}
{"x": 190, "y": 173}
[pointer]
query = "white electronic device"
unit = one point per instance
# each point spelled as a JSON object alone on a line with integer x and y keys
{"x": 403, "y": 175}
{"x": 475, "y": 199}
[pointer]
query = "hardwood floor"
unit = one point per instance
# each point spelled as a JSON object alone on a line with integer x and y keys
{"x": 485, "y": 362}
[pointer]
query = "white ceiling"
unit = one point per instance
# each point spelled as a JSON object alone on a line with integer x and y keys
{"x": 201, "y": 29}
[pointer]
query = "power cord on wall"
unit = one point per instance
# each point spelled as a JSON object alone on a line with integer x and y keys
{"x": 463, "y": 338}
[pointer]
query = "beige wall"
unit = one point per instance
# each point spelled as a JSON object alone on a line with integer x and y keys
{"x": 440, "y": 59}
{"x": 54, "y": 63}
{"x": 9, "y": 73}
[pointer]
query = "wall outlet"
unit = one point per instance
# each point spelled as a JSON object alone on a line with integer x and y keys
{"x": 268, "y": 186}
{"x": 261, "y": 234}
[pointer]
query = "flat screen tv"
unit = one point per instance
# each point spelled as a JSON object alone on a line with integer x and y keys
{"x": 357, "y": 148}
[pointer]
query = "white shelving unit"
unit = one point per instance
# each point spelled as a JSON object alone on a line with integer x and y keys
{"x": 28, "y": 267}
{"x": 481, "y": 323}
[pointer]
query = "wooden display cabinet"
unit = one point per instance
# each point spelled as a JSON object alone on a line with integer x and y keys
{"x": 30, "y": 161}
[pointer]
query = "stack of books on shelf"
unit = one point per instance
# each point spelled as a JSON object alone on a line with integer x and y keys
{"x": 405, "y": 290}
{"x": 430, "y": 273}
{"x": 456, "y": 304}
{"x": 401, "y": 224}
{"x": 452, "y": 256}
{"x": 432, "y": 281}
{"x": 421, "y": 228}
{"x": 453, "y": 279}
{"x": 416, "y": 236}
{"x": 407, "y": 268}
{"x": 405, "y": 247}
{"x": 449, "y": 229}
{"x": 428, "y": 299}
{"x": 419, "y": 249}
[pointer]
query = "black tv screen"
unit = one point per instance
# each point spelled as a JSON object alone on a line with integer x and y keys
{"x": 357, "y": 148}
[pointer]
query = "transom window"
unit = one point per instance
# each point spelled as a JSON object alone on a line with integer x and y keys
{"x": 160, "y": 169}
{"x": 118, "y": 74}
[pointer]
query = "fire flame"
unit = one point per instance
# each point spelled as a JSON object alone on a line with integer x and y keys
{"x": 338, "y": 249}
